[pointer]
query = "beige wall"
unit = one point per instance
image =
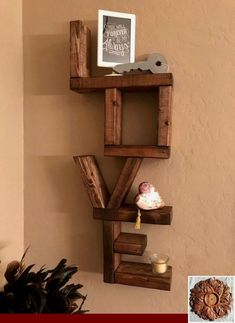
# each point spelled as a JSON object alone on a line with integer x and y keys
{"x": 198, "y": 180}
{"x": 11, "y": 132}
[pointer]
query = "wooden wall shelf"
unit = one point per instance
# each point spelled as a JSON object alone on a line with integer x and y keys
{"x": 140, "y": 274}
{"x": 137, "y": 151}
{"x": 127, "y": 213}
{"x": 135, "y": 82}
{"x": 110, "y": 208}
{"x": 130, "y": 243}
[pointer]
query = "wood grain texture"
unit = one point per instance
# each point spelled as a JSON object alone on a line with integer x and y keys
{"x": 99, "y": 197}
{"x": 128, "y": 213}
{"x": 106, "y": 207}
{"x": 135, "y": 82}
{"x": 79, "y": 49}
{"x": 140, "y": 274}
{"x": 113, "y": 117}
{"x": 93, "y": 180}
{"x": 111, "y": 230}
{"x": 124, "y": 182}
{"x": 164, "y": 116}
{"x": 137, "y": 151}
{"x": 130, "y": 243}
{"x": 211, "y": 299}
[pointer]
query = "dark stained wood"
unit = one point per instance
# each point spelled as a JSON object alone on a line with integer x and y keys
{"x": 137, "y": 151}
{"x": 164, "y": 116}
{"x": 124, "y": 182}
{"x": 111, "y": 230}
{"x": 130, "y": 243}
{"x": 99, "y": 196}
{"x": 108, "y": 208}
{"x": 128, "y": 213}
{"x": 113, "y": 117}
{"x": 93, "y": 180}
{"x": 126, "y": 82}
{"x": 140, "y": 274}
{"x": 79, "y": 49}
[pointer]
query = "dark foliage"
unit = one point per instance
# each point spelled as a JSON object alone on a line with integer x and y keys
{"x": 44, "y": 291}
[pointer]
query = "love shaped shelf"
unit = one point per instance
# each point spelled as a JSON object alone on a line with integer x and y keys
{"x": 111, "y": 208}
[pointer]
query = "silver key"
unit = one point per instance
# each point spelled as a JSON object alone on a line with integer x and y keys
{"x": 156, "y": 63}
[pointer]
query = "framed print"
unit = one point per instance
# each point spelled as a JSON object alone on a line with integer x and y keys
{"x": 116, "y": 38}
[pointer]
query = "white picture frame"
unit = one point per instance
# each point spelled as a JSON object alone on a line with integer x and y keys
{"x": 116, "y": 38}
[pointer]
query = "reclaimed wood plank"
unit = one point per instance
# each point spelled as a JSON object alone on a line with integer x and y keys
{"x": 124, "y": 182}
{"x": 145, "y": 82}
{"x": 128, "y": 213}
{"x": 130, "y": 243}
{"x": 113, "y": 117}
{"x": 111, "y": 230}
{"x": 164, "y": 116}
{"x": 79, "y": 49}
{"x": 93, "y": 180}
{"x": 140, "y": 274}
{"x": 137, "y": 151}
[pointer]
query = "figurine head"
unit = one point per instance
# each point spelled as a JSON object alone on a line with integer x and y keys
{"x": 146, "y": 187}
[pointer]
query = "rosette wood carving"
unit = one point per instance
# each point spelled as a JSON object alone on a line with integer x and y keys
{"x": 211, "y": 299}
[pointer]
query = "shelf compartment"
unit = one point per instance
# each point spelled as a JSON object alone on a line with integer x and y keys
{"x": 128, "y": 213}
{"x": 130, "y": 243}
{"x": 141, "y": 275}
{"x": 137, "y": 151}
{"x": 110, "y": 208}
{"x": 135, "y": 82}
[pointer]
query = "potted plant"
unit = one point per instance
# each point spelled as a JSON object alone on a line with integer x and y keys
{"x": 42, "y": 291}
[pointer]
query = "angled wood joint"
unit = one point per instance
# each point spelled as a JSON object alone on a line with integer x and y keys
{"x": 93, "y": 180}
{"x": 110, "y": 208}
{"x": 100, "y": 198}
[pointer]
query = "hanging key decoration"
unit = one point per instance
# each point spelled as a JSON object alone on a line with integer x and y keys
{"x": 156, "y": 63}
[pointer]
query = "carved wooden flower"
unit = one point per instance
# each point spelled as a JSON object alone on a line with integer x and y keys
{"x": 210, "y": 299}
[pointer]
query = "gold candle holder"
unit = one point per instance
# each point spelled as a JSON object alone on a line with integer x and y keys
{"x": 159, "y": 263}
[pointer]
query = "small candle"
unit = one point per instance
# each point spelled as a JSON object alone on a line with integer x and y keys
{"x": 159, "y": 263}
